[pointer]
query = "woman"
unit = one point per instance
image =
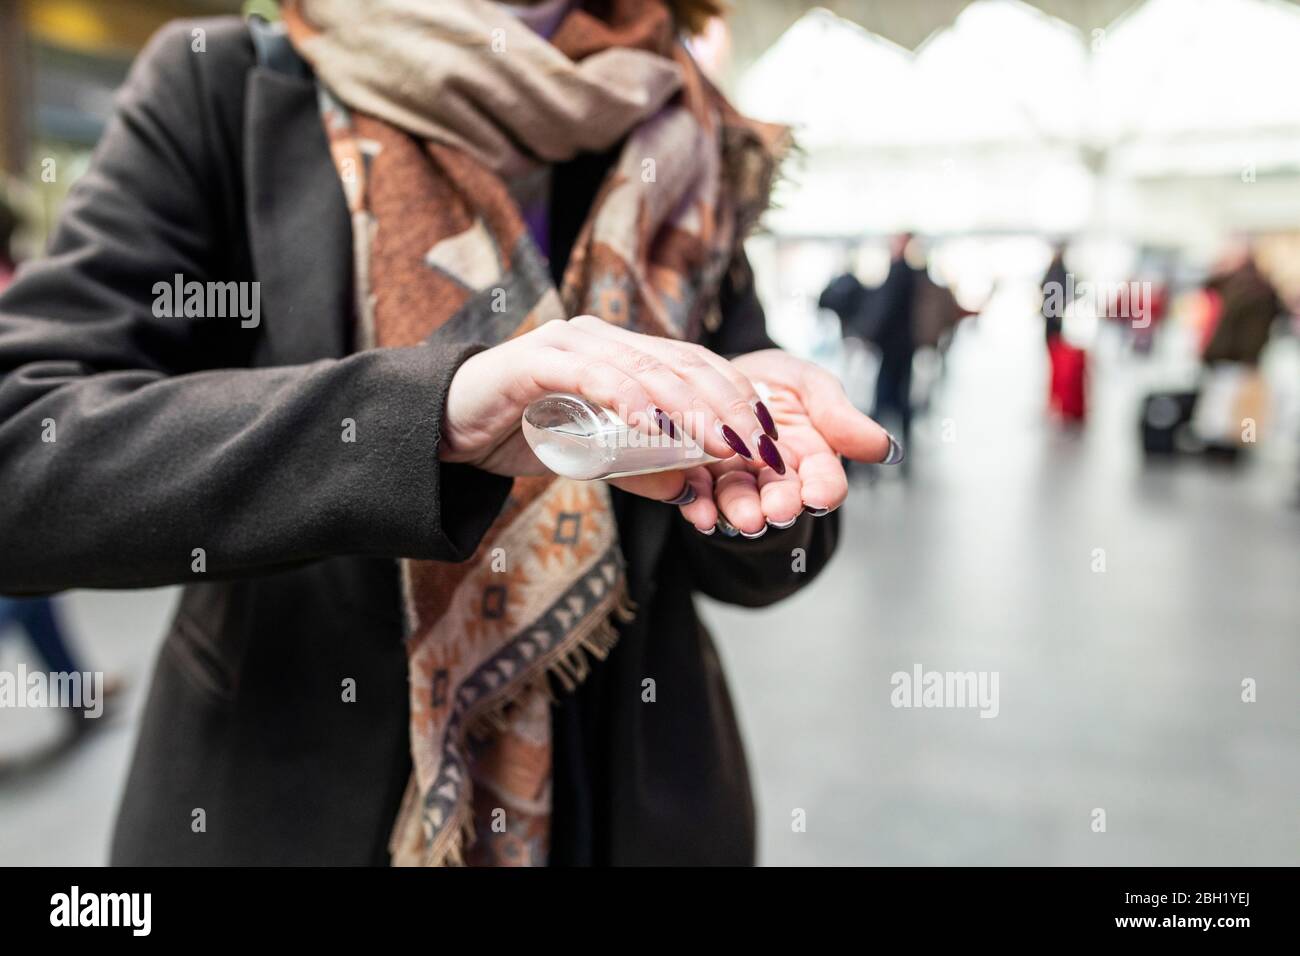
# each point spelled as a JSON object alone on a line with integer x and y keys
{"x": 400, "y": 639}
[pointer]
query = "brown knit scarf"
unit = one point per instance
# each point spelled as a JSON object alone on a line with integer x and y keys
{"x": 428, "y": 104}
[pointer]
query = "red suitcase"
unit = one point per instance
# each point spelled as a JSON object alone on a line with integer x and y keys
{"x": 1067, "y": 396}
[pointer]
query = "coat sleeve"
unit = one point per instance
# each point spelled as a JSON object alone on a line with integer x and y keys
{"x": 759, "y": 571}
{"x": 129, "y": 441}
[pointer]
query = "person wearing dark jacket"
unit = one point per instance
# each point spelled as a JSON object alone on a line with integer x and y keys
{"x": 884, "y": 316}
{"x": 1249, "y": 307}
{"x": 384, "y": 590}
{"x": 886, "y": 319}
{"x": 1053, "y": 287}
{"x": 37, "y": 617}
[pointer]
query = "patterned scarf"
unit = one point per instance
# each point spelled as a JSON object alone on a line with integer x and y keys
{"x": 429, "y": 106}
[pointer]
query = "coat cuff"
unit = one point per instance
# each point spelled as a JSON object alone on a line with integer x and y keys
{"x": 469, "y": 499}
{"x": 419, "y": 506}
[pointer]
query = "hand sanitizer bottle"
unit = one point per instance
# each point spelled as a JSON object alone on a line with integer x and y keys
{"x": 578, "y": 439}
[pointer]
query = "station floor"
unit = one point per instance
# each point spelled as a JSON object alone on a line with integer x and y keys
{"x": 1121, "y": 606}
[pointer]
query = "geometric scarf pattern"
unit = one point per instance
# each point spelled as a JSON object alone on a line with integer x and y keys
{"x": 439, "y": 249}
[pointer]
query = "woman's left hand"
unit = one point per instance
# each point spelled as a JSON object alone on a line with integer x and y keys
{"x": 815, "y": 424}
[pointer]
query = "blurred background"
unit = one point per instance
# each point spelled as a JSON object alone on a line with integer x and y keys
{"x": 1054, "y": 245}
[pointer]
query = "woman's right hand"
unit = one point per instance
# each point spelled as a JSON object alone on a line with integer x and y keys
{"x": 666, "y": 386}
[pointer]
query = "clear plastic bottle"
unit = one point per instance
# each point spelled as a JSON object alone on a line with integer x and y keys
{"x": 577, "y": 439}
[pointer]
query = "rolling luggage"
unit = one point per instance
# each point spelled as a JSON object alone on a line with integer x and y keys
{"x": 1166, "y": 417}
{"x": 1068, "y": 392}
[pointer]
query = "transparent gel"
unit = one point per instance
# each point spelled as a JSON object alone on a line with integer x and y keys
{"x": 578, "y": 439}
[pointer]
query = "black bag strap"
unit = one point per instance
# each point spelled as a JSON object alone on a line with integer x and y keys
{"x": 273, "y": 49}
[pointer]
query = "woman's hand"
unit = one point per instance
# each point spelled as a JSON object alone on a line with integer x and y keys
{"x": 778, "y": 455}
{"x": 654, "y": 384}
{"x": 816, "y": 424}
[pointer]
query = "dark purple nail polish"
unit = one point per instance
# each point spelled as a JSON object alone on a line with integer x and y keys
{"x": 732, "y": 439}
{"x": 665, "y": 423}
{"x": 765, "y": 419}
{"x": 767, "y": 451}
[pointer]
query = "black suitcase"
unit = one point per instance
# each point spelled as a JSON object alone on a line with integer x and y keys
{"x": 1165, "y": 420}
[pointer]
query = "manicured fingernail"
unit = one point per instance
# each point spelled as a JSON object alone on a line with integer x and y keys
{"x": 767, "y": 451}
{"x": 732, "y": 439}
{"x": 765, "y": 419}
{"x": 757, "y": 534}
{"x": 896, "y": 453}
{"x": 704, "y": 530}
{"x": 819, "y": 512}
{"x": 726, "y": 527}
{"x": 665, "y": 423}
{"x": 782, "y": 525}
{"x": 685, "y": 498}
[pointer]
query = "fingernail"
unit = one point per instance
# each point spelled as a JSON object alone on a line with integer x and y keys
{"x": 896, "y": 453}
{"x": 757, "y": 534}
{"x": 704, "y": 530}
{"x": 765, "y": 419}
{"x": 726, "y": 527}
{"x": 782, "y": 525}
{"x": 665, "y": 423}
{"x": 819, "y": 512}
{"x": 685, "y": 498}
{"x": 767, "y": 451}
{"x": 732, "y": 439}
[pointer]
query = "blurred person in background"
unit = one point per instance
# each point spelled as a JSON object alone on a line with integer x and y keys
{"x": 936, "y": 313}
{"x": 1053, "y": 286}
{"x": 8, "y": 226}
{"x": 1067, "y": 384}
{"x": 385, "y": 588}
{"x": 844, "y": 296}
{"x": 1247, "y": 306}
{"x": 36, "y": 617}
{"x": 1232, "y": 398}
{"x": 884, "y": 316}
{"x": 887, "y": 320}
{"x": 1141, "y": 320}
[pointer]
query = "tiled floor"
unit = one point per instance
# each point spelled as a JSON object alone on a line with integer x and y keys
{"x": 1119, "y": 690}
